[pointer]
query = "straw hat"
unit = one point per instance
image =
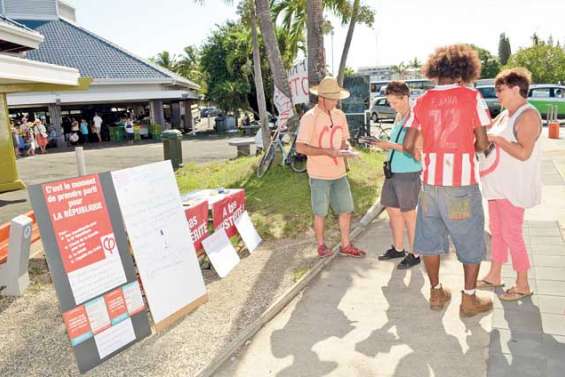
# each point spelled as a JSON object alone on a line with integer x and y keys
{"x": 329, "y": 88}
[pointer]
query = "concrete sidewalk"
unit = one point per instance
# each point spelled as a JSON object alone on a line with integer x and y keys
{"x": 363, "y": 317}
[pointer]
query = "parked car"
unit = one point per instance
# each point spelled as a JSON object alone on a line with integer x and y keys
{"x": 209, "y": 111}
{"x": 542, "y": 96}
{"x": 489, "y": 94}
{"x": 381, "y": 110}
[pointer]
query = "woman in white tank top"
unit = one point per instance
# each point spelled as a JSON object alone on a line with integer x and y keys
{"x": 512, "y": 180}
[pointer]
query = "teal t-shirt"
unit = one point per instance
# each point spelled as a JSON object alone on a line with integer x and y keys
{"x": 402, "y": 162}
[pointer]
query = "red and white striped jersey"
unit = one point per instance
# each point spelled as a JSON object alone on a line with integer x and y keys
{"x": 447, "y": 116}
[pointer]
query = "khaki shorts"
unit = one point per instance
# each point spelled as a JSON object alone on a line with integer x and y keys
{"x": 331, "y": 192}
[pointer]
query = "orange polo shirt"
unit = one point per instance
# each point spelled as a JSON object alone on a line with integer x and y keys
{"x": 319, "y": 129}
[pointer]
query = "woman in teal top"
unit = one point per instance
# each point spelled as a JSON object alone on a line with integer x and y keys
{"x": 401, "y": 188}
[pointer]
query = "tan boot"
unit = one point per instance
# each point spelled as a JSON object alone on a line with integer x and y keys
{"x": 439, "y": 297}
{"x": 472, "y": 305}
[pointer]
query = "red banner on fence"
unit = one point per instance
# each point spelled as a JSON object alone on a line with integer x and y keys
{"x": 227, "y": 210}
{"x": 197, "y": 217}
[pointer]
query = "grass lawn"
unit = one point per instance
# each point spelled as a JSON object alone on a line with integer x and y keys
{"x": 279, "y": 203}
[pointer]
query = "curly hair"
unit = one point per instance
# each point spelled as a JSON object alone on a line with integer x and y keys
{"x": 397, "y": 88}
{"x": 512, "y": 77}
{"x": 457, "y": 62}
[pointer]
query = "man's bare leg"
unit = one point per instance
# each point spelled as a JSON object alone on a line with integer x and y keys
{"x": 319, "y": 222}
{"x": 432, "y": 268}
{"x": 344, "y": 226}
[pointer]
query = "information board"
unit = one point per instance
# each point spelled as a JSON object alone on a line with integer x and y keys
{"x": 87, "y": 252}
{"x": 157, "y": 227}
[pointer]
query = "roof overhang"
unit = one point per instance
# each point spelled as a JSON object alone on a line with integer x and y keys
{"x": 17, "y": 74}
{"x": 17, "y": 39}
{"x": 92, "y": 97}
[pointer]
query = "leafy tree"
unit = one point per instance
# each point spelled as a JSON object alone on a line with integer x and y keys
{"x": 504, "y": 50}
{"x": 545, "y": 62}
{"x": 188, "y": 66}
{"x": 490, "y": 66}
{"x": 225, "y": 59}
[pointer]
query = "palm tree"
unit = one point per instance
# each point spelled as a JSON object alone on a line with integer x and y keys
{"x": 249, "y": 16}
{"x": 347, "y": 44}
{"x": 166, "y": 60}
{"x": 263, "y": 12}
{"x": 415, "y": 64}
{"x": 315, "y": 42}
{"x": 400, "y": 70}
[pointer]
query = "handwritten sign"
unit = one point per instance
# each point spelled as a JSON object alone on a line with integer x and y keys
{"x": 151, "y": 207}
{"x": 227, "y": 210}
{"x": 197, "y": 218}
{"x": 284, "y": 107}
{"x": 298, "y": 82}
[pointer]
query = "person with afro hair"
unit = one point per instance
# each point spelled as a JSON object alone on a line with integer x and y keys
{"x": 451, "y": 118}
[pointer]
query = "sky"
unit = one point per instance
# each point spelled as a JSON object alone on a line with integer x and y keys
{"x": 403, "y": 29}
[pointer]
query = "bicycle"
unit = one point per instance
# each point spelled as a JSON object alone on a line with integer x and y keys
{"x": 383, "y": 131}
{"x": 295, "y": 160}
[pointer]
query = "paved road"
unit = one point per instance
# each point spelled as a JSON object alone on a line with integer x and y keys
{"x": 52, "y": 166}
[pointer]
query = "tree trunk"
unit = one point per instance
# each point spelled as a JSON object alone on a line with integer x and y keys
{"x": 271, "y": 45}
{"x": 347, "y": 45}
{"x": 258, "y": 75}
{"x": 315, "y": 43}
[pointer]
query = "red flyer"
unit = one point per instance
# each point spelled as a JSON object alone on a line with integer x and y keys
{"x": 227, "y": 210}
{"x": 81, "y": 223}
{"x": 78, "y": 327}
{"x": 197, "y": 217}
{"x": 116, "y": 305}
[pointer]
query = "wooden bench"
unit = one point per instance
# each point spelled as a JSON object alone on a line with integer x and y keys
{"x": 5, "y": 236}
{"x": 243, "y": 147}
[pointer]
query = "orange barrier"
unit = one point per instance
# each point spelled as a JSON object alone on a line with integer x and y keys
{"x": 553, "y": 130}
{"x": 5, "y": 236}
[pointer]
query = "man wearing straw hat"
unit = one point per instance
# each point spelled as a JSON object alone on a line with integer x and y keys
{"x": 323, "y": 137}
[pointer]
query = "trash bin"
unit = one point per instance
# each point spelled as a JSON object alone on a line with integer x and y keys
{"x": 172, "y": 147}
{"x": 155, "y": 131}
{"x": 220, "y": 125}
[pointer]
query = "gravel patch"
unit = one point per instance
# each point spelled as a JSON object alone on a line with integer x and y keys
{"x": 33, "y": 340}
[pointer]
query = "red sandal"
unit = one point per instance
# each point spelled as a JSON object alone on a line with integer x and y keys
{"x": 324, "y": 251}
{"x": 352, "y": 251}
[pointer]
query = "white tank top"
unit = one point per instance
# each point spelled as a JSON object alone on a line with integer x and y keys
{"x": 520, "y": 182}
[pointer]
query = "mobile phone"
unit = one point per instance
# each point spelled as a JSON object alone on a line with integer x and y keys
{"x": 489, "y": 149}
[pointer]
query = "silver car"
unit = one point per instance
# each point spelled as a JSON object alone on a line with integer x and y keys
{"x": 381, "y": 110}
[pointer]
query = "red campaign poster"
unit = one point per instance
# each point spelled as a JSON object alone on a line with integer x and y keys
{"x": 197, "y": 217}
{"x": 80, "y": 219}
{"x": 78, "y": 327}
{"x": 116, "y": 304}
{"x": 227, "y": 210}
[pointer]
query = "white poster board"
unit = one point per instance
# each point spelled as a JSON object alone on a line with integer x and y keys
{"x": 247, "y": 231}
{"x": 157, "y": 228}
{"x": 298, "y": 82}
{"x": 221, "y": 252}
